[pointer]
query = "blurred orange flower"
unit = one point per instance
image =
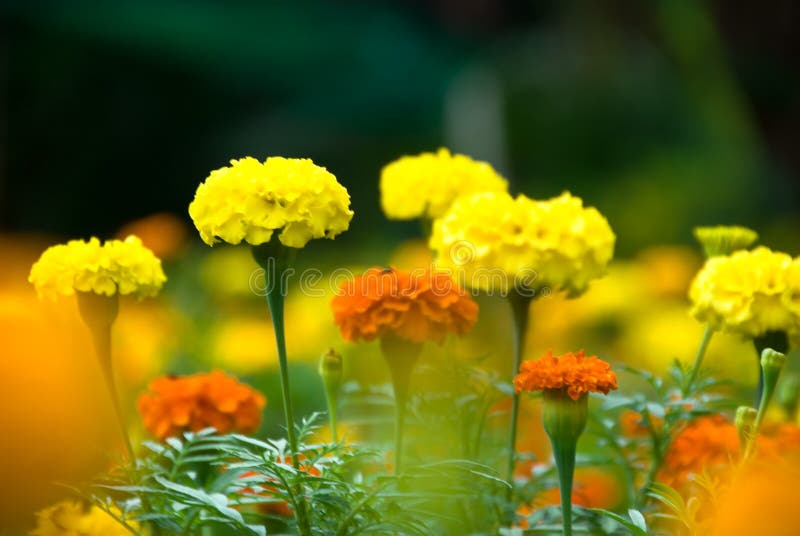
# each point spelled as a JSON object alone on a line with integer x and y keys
{"x": 633, "y": 424}
{"x": 417, "y": 306}
{"x": 574, "y": 372}
{"x": 278, "y": 508}
{"x": 192, "y": 403}
{"x": 706, "y": 444}
{"x": 761, "y": 499}
{"x": 163, "y": 233}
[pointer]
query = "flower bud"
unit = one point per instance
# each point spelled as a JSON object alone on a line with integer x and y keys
{"x": 789, "y": 395}
{"x": 745, "y": 424}
{"x": 724, "y": 240}
{"x": 330, "y": 368}
{"x": 564, "y": 418}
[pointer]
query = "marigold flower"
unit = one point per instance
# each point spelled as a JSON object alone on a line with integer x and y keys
{"x": 749, "y": 293}
{"x": 177, "y": 404}
{"x": 424, "y": 186}
{"x": 633, "y": 424}
{"x": 115, "y": 267}
{"x": 250, "y": 200}
{"x": 415, "y": 306}
{"x": 762, "y": 499}
{"x": 573, "y": 372}
{"x": 707, "y": 443}
{"x": 71, "y": 518}
{"x": 497, "y": 242}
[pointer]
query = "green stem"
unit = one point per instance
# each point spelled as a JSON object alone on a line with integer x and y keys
{"x": 520, "y": 306}
{"x": 400, "y": 356}
{"x": 102, "y": 344}
{"x": 330, "y": 398}
{"x": 275, "y": 260}
{"x": 698, "y": 360}
{"x": 564, "y": 456}
{"x": 564, "y": 420}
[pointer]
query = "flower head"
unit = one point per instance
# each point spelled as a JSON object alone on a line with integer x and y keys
{"x": 497, "y": 242}
{"x": 724, "y": 240}
{"x": 114, "y": 267}
{"x": 749, "y": 293}
{"x": 424, "y": 186}
{"x": 572, "y": 372}
{"x": 415, "y": 306}
{"x": 191, "y": 403}
{"x": 250, "y": 200}
{"x": 706, "y": 444}
{"x": 68, "y": 518}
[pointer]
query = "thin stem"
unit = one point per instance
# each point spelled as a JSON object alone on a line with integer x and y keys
{"x": 698, "y": 360}
{"x": 520, "y": 306}
{"x": 399, "y": 424}
{"x": 274, "y": 259}
{"x": 400, "y": 356}
{"x": 330, "y": 398}
{"x": 275, "y": 301}
{"x": 564, "y": 456}
{"x": 102, "y": 344}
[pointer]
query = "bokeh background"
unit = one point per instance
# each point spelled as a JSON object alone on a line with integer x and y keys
{"x": 663, "y": 114}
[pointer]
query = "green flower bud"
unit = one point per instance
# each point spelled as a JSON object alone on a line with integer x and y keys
{"x": 724, "y": 240}
{"x": 789, "y": 394}
{"x": 330, "y": 368}
{"x": 745, "y": 424}
{"x": 772, "y": 362}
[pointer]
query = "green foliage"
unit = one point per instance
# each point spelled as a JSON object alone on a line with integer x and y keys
{"x": 229, "y": 482}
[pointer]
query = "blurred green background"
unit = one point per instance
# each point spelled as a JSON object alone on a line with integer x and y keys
{"x": 663, "y": 114}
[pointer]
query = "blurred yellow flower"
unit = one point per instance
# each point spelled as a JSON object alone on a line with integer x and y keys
{"x": 724, "y": 240}
{"x": 748, "y": 293}
{"x": 230, "y": 272}
{"x": 427, "y": 184}
{"x": 243, "y": 345}
{"x": 115, "y": 267}
{"x": 491, "y": 241}
{"x": 70, "y": 518}
{"x": 249, "y": 200}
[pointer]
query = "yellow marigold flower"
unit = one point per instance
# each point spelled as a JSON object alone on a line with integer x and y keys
{"x": 573, "y": 373}
{"x": 115, "y": 267}
{"x": 427, "y": 184}
{"x": 249, "y": 200}
{"x": 71, "y": 518}
{"x": 748, "y": 293}
{"x": 492, "y": 241}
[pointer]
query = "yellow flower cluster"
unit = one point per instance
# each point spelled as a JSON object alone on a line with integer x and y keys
{"x": 491, "y": 241}
{"x": 70, "y": 518}
{"x": 426, "y": 185}
{"x": 114, "y": 267}
{"x": 249, "y": 200}
{"x": 749, "y": 292}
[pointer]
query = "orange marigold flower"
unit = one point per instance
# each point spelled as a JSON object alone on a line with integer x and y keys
{"x": 573, "y": 372}
{"x": 633, "y": 424}
{"x": 177, "y": 404}
{"x": 706, "y": 444}
{"x": 417, "y": 306}
{"x": 593, "y": 488}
